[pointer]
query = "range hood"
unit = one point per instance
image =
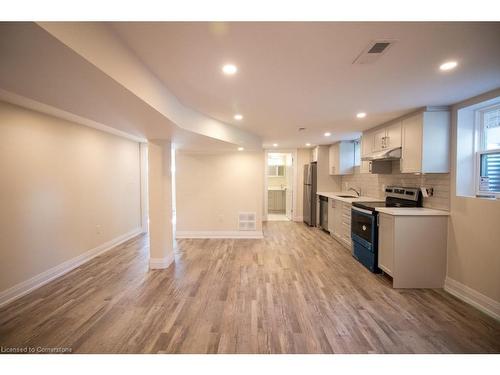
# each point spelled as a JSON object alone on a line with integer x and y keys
{"x": 387, "y": 154}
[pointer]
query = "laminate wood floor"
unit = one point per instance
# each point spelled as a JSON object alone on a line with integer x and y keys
{"x": 295, "y": 291}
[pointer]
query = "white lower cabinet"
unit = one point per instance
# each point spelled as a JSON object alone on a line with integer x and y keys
{"x": 276, "y": 201}
{"x": 339, "y": 221}
{"x": 412, "y": 249}
{"x": 330, "y": 216}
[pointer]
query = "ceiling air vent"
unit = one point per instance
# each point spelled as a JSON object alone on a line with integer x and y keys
{"x": 373, "y": 51}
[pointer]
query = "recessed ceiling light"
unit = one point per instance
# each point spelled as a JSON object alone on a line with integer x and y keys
{"x": 275, "y": 145}
{"x": 327, "y": 134}
{"x": 308, "y": 144}
{"x": 229, "y": 69}
{"x": 240, "y": 148}
{"x": 449, "y": 65}
{"x": 238, "y": 117}
{"x": 361, "y": 115}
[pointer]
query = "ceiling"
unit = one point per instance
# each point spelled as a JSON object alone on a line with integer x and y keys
{"x": 295, "y": 75}
{"x": 63, "y": 84}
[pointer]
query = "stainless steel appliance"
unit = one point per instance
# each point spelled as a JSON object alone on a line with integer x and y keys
{"x": 364, "y": 222}
{"x": 309, "y": 211}
{"x": 323, "y": 213}
{"x": 393, "y": 153}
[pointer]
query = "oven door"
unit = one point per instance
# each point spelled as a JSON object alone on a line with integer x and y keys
{"x": 363, "y": 226}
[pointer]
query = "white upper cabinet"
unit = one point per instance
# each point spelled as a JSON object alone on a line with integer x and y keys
{"x": 387, "y": 137}
{"x": 341, "y": 158}
{"x": 424, "y": 139}
{"x": 426, "y": 143}
{"x": 393, "y": 136}
{"x": 366, "y": 148}
{"x": 378, "y": 140}
{"x": 314, "y": 154}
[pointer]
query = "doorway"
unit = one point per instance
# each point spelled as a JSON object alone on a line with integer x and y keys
{"x": 279, "y": 186}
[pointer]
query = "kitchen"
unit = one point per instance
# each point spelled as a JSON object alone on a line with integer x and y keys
{"x": 394, "y": 223}
{"x": 283, "y": 196}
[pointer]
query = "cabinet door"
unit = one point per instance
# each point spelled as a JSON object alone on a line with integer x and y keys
{"x": 386, "y": 243}
{"x": 346, "y": 222}
{"x": 337, "y": 219}
{"x": 270, "y": 201}
{"x": 333, "y": 159}
{"x": 378, "y": 139}
{"x": 314, "y": 154}
{"x": 331, "y": 203}
{"x": 393, "y": 136}
{"x": 411, "y": 152}
{"x": 366, "y": 148}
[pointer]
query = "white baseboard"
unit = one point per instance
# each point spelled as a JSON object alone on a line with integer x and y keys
{"x": 161, "y": 263}
{"x": 473, "y": 297}
{"x": 298, "y": 218}
{"x": 219, "y": 234}
{"x": 45, "y": 277}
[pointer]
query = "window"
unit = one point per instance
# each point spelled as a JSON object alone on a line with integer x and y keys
{"x": 276, "y": 171}
{"x": 488, "y": 152}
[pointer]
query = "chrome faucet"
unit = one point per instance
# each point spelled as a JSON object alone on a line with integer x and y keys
{"x": 356, "y": 191}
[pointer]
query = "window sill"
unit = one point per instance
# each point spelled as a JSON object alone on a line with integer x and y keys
{"x": 480, "y": 197}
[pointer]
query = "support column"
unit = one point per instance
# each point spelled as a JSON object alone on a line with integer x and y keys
{"x": 161, "y": 253}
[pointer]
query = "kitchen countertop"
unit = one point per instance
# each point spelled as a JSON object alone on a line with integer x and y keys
{"x": 414, "y": 211}
{"x": 335, "y": 195}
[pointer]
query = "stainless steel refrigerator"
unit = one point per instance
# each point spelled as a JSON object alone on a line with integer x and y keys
{"x": 310, "y": 194}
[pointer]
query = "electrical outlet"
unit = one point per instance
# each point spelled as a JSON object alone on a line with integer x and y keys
{"x": 427, "y": 192}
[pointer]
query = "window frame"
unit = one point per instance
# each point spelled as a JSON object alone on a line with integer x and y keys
{"x": 480, "y": 149}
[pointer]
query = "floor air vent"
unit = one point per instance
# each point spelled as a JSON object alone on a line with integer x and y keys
{"x": 246, "y": 221}
{"x": 373, "y": 51}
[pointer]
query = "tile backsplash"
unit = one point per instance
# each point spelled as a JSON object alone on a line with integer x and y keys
{"x": 373, "y": 185}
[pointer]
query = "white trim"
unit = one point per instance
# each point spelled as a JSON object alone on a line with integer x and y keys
{"x": 298, "y": 218}
{"x": 45, "y": 277}
{"x": 256, "y": 234}
{"x": 473, "y": 297}
{"x": 161, "y": 263}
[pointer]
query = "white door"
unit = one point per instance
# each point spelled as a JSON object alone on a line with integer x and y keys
{"x": 289, "y": 186}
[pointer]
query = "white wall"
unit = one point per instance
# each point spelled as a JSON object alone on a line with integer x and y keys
{"x": 61, "y": 180}
{"x": 211, "y": 189}
{"x": 473, "y": 230}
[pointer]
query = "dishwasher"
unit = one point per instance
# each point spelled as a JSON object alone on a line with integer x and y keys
{"x": 323, "y": 213}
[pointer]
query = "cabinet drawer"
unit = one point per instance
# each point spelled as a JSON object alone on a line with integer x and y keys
{"x": 346, "y": 209}
{"x": 346, "y": 230}
{"x": 346, "y": 220}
